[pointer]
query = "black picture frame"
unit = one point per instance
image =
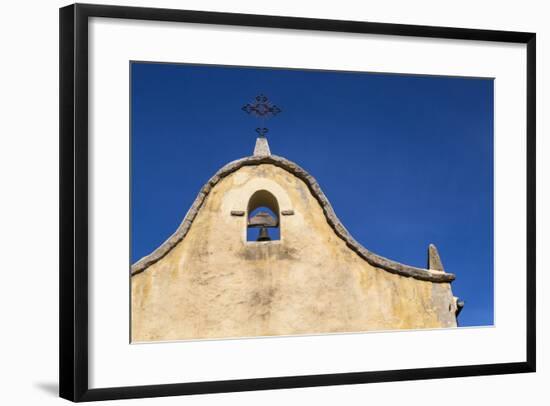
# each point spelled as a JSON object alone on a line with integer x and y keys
{"x": 73, "y": 280}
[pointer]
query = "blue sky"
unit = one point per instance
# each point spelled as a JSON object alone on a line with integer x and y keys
{"x": 405, "y": 160}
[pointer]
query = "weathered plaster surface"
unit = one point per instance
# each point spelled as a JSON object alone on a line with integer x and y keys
{"x": 315, "y": 190}
{"x": 211, "y": 283}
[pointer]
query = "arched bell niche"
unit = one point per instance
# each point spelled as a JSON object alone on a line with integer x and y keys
{"x": 263, "y": 217}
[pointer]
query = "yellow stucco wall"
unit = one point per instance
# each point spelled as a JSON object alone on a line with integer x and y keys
{"x": 215, "y": 284}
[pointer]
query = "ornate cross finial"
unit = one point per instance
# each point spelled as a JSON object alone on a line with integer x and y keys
{"x": 263, "y": 109}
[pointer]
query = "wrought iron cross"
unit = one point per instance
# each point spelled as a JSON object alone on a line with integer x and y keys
{"x": 263, "y": 109}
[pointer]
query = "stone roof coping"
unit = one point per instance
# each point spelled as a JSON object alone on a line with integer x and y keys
{"x": 375, "y": 260}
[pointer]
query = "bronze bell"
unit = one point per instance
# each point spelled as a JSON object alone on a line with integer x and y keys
{"x": 263, "y": 220}
{"x": 264, "y": 235}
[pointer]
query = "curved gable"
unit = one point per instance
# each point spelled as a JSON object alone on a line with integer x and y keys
{"x": 338, "y": 228}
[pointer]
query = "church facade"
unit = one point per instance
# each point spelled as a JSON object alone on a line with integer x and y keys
{"x": 303, "y": 274}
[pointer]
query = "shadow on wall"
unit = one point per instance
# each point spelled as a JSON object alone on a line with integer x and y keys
{"x": 51, "y": 388}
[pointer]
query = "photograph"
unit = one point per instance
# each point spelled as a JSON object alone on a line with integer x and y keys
{"x": 270, "y": 201}
{"x": 285, "y": 200}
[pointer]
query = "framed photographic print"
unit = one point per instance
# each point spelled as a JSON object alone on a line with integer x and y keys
{"x": 257, "y": 202}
